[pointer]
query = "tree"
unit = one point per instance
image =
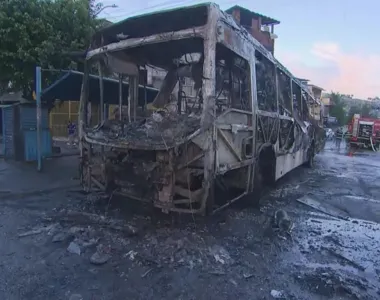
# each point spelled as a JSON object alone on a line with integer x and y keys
{"x": 40, "y": 32}
{"x": 365, "y": 110}
{"x": 337, "y": 109}
{"x": 94, "y": 8}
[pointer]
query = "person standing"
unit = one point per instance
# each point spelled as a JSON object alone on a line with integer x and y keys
{"x": 71, "y": 129}
{"x": 338, "y": 137}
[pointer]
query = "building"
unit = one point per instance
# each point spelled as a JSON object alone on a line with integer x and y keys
{"x": 9, "y": 99}
{"x": 303, "y": 81}
{"x": 64, "y": 94}
{"x": 259, "y": 26}
{"x": 327, "y": 103}
{"x": 317, "y": 111}
{"x": 316, "y": 91}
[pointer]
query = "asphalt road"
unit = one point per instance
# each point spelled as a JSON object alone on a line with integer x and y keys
{"x": 48, "y": 239}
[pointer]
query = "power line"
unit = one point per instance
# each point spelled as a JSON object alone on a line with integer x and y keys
{"x": 167, "y": 5}
{"x": 163, "y": 5}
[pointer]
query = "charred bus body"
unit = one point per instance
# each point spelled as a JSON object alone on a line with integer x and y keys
{"x": 247, "y": 122}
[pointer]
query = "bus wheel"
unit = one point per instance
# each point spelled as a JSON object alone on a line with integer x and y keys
{"x": 310, "y": 156}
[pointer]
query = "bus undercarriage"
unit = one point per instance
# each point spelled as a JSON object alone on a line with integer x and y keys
{"x": 215, "y": 131}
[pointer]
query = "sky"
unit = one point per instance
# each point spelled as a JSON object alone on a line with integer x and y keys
{"x": 333, "y": 43}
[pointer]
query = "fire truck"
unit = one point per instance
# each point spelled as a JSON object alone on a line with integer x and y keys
{"x": 364, "y": 132}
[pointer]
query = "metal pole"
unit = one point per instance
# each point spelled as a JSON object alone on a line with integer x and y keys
{"x": 38, "y": 100}
{"x": 135, "y": 96}
{"x": 130, "y": 95}
{"x": 120, "y": 96}
{"x": 101, "y": 104}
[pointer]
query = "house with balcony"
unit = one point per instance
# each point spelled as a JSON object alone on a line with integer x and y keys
{"x": 303, "y": 81}
{"x": 259, "y": 26}
{"x": 327, "y": 103}
{"x": 317, "y": 110}
{"x": 316, "y": 91}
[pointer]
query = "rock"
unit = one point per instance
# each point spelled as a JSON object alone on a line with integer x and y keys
{"x": 220, "y": 254}
{"x": 76, "y": 297}
{"x": 131, "y": 230}
{"x": 276, "y": 294}
{"x": 99, "y": 258}
{"x": 74, "y": 248}
{"x": 75, "y": 230}
{"x": 60, "y": 237}
{"x": 90, "y": 243}
{"x": 131, "y": 254}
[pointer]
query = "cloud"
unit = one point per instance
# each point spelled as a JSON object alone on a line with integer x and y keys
{"x": 335, "y": 70}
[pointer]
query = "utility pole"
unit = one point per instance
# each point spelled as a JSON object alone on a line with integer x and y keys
{"x": 39, "y": 113}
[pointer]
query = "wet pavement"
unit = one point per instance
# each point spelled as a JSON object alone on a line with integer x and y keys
{"x": 63, "y": 244}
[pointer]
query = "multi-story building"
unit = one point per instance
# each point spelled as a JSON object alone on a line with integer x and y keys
{"x": 316, "y": 91}
{"x": 317, "y": 110}
{"x": 259, "y": 26}
{"x": 326, "y": 101}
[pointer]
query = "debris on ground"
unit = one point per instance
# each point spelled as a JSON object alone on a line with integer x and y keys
{"x": 84, "y": 218}
{"x": 330, "y": 258}
{"x": 60, "y": 237}
{"x": 323, "y": 207}
{"x": 38, "y": 230}
{"x": 146, "y": 273}
{"x": 345, "y": 259}
{"x": 74, "y": 248}
{"x": 276, "y": 294}
{"x": 220, "y": 254}
{"x": 131, "y": 255}
{"x": 101, "y": 256}
{"x": 331, "y": 283}
{"x": 76, "y": 297}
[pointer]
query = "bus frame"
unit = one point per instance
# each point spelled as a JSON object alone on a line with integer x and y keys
{"x": 232, "y": 152}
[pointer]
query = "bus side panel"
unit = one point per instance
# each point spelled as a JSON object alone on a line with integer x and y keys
{"x": 287, "y": 162}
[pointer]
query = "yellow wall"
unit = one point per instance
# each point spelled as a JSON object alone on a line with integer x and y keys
{"x": 326, "y": 101}
{"x": 63, "y": 112}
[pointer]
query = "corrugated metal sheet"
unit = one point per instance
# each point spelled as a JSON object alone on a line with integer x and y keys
{"x": 28, "y": 117}
{"x": 30, "y": 138}
{"x": 8, "y": 131}
{"x": 20, "y": 135}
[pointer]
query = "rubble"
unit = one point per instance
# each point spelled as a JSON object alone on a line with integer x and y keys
{"x": 220, "y": 254}
{"x": 276, "y": 294}
{"x": 74, "y": 248}
{"x": 160, "y": 131}
{"x": 101, "y": 256}
{"x": 38, "y": 230}
{"x": 76, "y": 297}
{"x": 61, "y": 237}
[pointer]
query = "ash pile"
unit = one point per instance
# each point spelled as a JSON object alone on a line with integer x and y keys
{"x": 162, "y": 130}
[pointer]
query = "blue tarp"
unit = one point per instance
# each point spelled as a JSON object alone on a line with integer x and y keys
{"x": 68, "y": 88}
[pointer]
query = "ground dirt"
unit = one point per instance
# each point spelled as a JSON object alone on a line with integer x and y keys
{"x": 58, "y": 243}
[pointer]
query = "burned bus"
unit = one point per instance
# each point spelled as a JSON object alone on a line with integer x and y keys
{"x": 228, "y": 118}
